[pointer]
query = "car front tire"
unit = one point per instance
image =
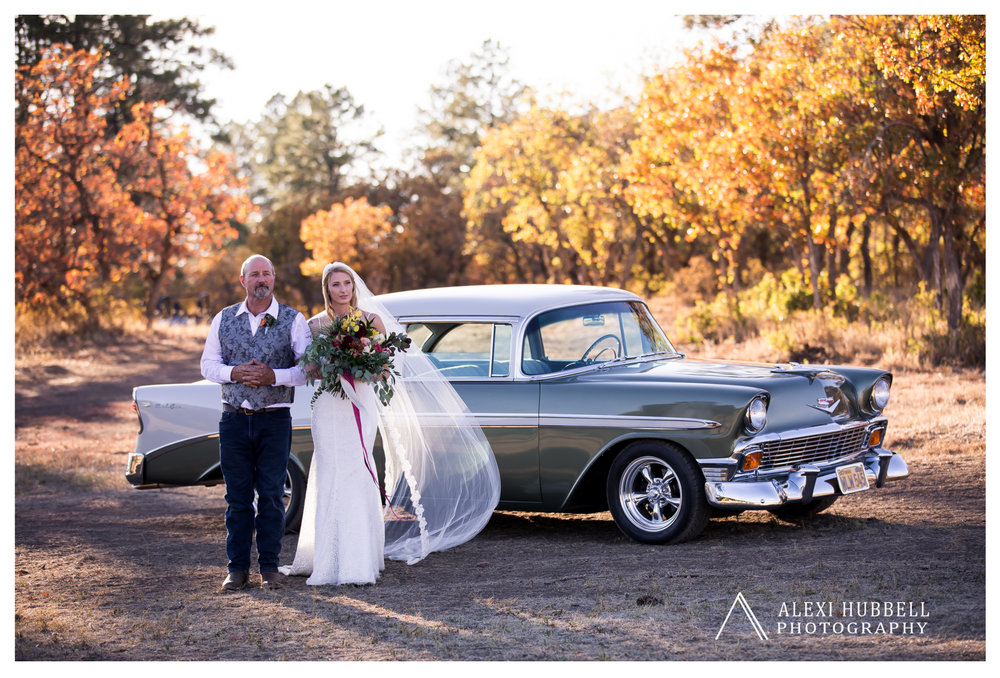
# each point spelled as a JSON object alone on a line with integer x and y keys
{"x": 656, "y": 493}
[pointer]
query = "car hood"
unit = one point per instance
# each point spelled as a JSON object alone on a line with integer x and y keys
{"x": 800, "y": 396}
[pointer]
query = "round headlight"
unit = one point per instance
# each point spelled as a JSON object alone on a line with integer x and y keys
{"x": 880, "y": 394}
{"x": 756, "y": 415}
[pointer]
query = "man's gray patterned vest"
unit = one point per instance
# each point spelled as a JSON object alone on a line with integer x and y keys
{"x": 272, "y": 347}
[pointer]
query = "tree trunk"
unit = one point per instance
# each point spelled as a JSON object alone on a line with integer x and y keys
{"x": 845, "y": 252}
{"x": 932, "y": 256}
{"x": 156, "y": 284}
{"x": 866, "y": 255}
{"x": 814, "y": 266}
{"x": 831, "y": 248}
{"x": 953, "y": 284}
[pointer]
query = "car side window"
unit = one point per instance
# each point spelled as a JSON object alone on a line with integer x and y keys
{"x": 469, "y": 350}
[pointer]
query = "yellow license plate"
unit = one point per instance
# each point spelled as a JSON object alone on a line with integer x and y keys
{"x": 852, "y": 478}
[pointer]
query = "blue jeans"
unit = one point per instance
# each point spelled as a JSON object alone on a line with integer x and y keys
{"x": 253, "y": 450}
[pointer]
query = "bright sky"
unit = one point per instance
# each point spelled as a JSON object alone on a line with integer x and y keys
{"x": 388, "y": 54}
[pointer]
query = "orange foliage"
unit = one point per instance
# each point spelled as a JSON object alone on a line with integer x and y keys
{"x": 72, "y": 216}
{"x": 92, "y": 209}
{"x": 185, "y": 213}
{"x": 350, "y": 232}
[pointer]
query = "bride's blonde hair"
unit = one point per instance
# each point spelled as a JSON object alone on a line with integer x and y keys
{"x": 329, "y": 270}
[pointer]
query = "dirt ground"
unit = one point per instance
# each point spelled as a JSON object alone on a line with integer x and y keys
{"x": 104, "y": 572}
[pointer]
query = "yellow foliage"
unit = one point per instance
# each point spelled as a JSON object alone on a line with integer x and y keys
{"x": 348, "y": 232}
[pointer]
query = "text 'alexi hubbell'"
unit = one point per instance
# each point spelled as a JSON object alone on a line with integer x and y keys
{"x": 865, "y": 617}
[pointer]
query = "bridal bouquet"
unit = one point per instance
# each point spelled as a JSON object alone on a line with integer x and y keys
{"x": 350, "y": 346}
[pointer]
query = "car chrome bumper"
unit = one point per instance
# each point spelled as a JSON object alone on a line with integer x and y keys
{"x": 800, "y": 485}
{"x": 134, "y": 471}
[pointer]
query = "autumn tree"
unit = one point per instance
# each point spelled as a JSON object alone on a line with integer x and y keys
{"x": 351, "y": 232}
{"x": 92, "y": 210}
{"x": 687, "y": 170}
{"x": 794, "y": 115}
{"x": 751, "y": 146}
{"x": 928, "y": 149}
{"x": 425, "y": 247}
{"x": 189, "y": 198}
{"x": 553, "y": 177}
{"x": 72, "y": 216}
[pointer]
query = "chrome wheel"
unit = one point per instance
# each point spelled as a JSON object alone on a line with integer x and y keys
{"x": 656, "y": 493}
{"x": 651, "y": 494}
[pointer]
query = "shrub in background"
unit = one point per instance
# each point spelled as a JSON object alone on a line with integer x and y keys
{"x": 897, "y": 329}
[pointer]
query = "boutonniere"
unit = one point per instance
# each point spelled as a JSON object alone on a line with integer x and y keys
{"x": 267, "y": 321}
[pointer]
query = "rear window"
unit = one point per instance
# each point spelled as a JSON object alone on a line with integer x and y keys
{"x": 465, "y": 349}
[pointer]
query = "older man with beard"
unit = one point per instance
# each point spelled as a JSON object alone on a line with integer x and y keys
{"x": 252, "y": 349}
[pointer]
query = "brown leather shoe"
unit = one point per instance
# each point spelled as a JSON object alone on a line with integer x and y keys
{"x": 272, "y": 580}
{"x": 235, "y": 581}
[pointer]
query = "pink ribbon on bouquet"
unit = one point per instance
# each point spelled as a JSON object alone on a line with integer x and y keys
{"x": 349, "y": 378}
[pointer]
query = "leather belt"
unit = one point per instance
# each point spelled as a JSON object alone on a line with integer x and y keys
{"x": 226, "y": 407}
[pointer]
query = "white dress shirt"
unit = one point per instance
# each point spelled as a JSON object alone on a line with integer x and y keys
{"x": 213, "y": 369}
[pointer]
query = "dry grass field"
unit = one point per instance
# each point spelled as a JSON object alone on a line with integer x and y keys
{"x": 104, "y": 572}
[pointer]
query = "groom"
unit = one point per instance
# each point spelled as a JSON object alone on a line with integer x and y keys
{"x": 252, "y": 349}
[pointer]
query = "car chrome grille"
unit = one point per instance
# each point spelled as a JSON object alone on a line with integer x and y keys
{"x": 813, "y": 449}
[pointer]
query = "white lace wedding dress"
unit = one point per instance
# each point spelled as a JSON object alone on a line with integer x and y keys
{"x": 342, "y": 536}
{"x": 440, "y": 475}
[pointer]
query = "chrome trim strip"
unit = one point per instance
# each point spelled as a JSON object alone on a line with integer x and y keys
{"x": 493, "y": 346}
{"x": 620, "y": 362}
{"x": 494, "y": 419}
{"x": 505, "y": 319}
{"x": 507, "y": 420}
{"x": 722, "y": 463}
{"x": 785, "y": 470}
{"x": 556, "y": 375}
{"x": 626, "y": 421}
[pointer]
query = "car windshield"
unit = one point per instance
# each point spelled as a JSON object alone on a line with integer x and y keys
{"x": 591, "y": 334}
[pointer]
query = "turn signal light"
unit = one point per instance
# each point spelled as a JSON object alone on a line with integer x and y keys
{"x": 751, "y": 460}
{"x": 875, "y": 437}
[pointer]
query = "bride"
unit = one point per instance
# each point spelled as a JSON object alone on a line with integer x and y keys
{"x": 441, "y": 480}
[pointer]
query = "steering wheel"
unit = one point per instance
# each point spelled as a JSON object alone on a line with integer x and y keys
{"x": 617, "y": 350}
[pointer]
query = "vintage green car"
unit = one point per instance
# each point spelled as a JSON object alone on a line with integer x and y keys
{"x": 589, "y": 408}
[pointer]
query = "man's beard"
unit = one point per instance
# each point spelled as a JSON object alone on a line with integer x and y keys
{"x": 262, "y": 291}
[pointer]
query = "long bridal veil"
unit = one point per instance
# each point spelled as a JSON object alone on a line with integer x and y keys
{"x": 440, "y": 476}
